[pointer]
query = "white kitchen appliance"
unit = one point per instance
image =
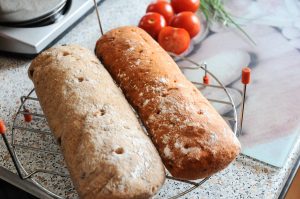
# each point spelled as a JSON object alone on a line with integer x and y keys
{"x": 30, "y": 28}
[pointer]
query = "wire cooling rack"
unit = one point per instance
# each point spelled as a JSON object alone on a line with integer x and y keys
{"x": 45, "y": 166}
{"x": 47, "y": 160}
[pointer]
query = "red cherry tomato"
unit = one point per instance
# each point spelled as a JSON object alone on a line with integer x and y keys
{"x": 175, "y": 40}
{"x": 162, "y": 7}
{"x": 152, "y": 23}
{"x": 187, "y": 20}
{"x": 185, "y": 5}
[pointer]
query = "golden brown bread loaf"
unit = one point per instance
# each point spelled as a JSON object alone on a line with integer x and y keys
{"x": 105, "y": 149}
{"x": 192, "y": 138}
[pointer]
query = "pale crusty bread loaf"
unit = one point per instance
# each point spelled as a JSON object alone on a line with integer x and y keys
{"x": 105, "y": 149}
{"x": 192, "y": 138}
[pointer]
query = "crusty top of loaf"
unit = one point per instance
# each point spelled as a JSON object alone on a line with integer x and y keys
{"x": 106, "y": 151}
{"x": 192, "y": 138}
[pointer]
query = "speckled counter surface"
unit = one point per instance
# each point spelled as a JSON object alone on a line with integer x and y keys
{"x": 245, "y": 178}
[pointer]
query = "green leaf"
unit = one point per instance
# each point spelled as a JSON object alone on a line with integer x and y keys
{"x": 213, "y": 10}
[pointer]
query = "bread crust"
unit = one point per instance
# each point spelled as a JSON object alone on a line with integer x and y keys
{"x": 106, "y": 151}
{"x": 192, "y": 138}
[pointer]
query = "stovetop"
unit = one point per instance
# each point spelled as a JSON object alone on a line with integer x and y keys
{"x": 32, "y": 13}
{"x": 32, "y": 36}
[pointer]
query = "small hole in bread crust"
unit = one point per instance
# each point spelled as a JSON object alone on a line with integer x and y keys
{"x": 83, "y": 175}
{"x": 153, "y": 189}
{"x": 102, "y": 111}
{"x": 80, "y": 79}
{"x": 186, "y": 146}
{"x": 172, "y": 124}
{"x": 158, "y": 112}
{"x": 65, "y": 53}
{"x": 175, "y": 81}
{"x": 173, "y": 88}
{"x": 200, "y": 112}
{"x": 31, "y": 73}
{"x": 141, "y": 51}
{"x": 59, "y": 141}
{"x": 119, "y": 150}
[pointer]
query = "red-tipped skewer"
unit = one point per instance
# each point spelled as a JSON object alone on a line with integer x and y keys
{"x": 246, "y": 78}
{"x": 205, "y": 77}
{"x": 2, "y": 132}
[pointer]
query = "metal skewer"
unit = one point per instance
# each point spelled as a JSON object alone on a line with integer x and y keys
{"x": 98, "y": 17}
{"x": 245, "y": 80}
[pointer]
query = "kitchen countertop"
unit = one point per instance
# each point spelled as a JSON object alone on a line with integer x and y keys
{"x": 244, "y": 178}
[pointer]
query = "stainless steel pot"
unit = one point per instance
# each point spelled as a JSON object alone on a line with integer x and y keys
{"x": 30, "y": 12}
